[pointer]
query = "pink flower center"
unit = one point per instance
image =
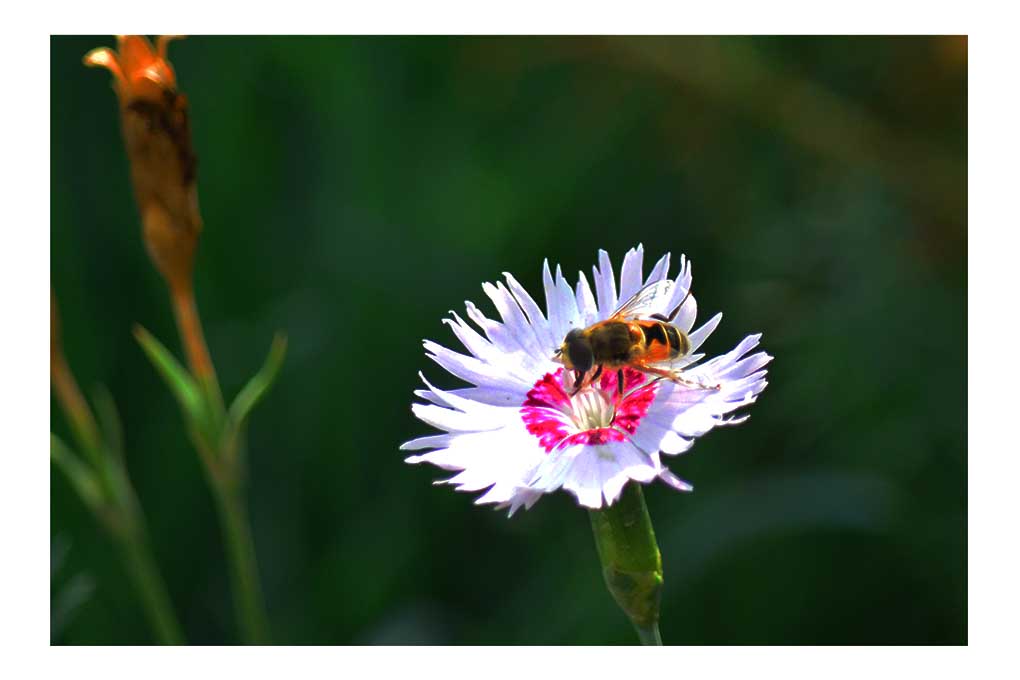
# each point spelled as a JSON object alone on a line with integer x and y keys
{"x": 596, "y": 415}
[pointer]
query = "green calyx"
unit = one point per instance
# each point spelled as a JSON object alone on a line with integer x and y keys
{"x": 631, "y": 563}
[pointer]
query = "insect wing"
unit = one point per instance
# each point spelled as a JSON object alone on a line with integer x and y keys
{"x": 646, "y": 301}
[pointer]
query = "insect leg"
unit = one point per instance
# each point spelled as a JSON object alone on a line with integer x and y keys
{"x": 578, "y": 382}
{"x": 672, "y": 315}
{"x": 677, "y": 378}
{"x": 598, "y": 372}
{"x": 619, "y": 381}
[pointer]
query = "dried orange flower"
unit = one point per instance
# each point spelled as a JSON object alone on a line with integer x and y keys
{"x": 157, "y": 134}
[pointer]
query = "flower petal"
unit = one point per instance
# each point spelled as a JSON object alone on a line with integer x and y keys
{"x": 484, "y": 412}
{"x": 699, "y": 336}
{"x": 538, "y": 321}
{"x": 674, "y": 481}
{"x": 630, "y": 275}
{"x": 473, "y": 370}
{"x": 433, "y": 441}
{"x": 660, "y": 270}
{"x": 485, "y": 395}
{"x": 499, "y": 460}
{"x": 592, "y": 473}
{"x": 605, "y": 285}
{"x": 515, "y": 323}
{"x": 494, "y": 331}
{"x": 561, "y": 305}
{"x": 586, "y": 306}
{"x": 456, "y": 421}
{"x": 473, "y": 342}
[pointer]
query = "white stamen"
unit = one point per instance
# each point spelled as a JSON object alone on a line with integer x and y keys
{"x": 592, "y": 409}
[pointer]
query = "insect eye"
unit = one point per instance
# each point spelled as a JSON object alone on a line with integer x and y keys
{"x": 580, "y": 353}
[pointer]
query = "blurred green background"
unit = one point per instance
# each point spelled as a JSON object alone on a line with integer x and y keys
{"x": 355, "y": 189}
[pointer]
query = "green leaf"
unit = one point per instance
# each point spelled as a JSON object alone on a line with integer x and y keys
{"x": 109, "y": 422}
{"x": 252, "y": 393}
{"x": 260, "y": 383}
{"x": 82, "y": 478}
{"x": 183, "y": 386}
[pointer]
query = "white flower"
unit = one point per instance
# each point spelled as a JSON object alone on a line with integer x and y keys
{"x": 519, "y": 434}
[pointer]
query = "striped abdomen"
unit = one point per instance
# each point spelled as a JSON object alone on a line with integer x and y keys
{"x": 624, "y": 343}
{"x": 663, "y": 341}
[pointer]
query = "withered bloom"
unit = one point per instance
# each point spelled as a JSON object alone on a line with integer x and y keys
{"x": 157, "y": 134}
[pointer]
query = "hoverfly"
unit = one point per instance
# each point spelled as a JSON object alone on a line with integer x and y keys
{"x": 629, "y": 338}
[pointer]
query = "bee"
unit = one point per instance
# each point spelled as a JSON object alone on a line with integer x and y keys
{"x": 629, "y": 338}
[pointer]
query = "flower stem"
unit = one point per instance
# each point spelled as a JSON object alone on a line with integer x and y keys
{"x": 248, "y": 604}
{"x": 114, "y": 504}
{"x": 146, "y": 577}
{"x": 225, "y": 472}
{"x": 631, "y": 564}
{"x": 189, "y": 324}
{"x": 77, "y": 410}
{"x": 649, "y": 636}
